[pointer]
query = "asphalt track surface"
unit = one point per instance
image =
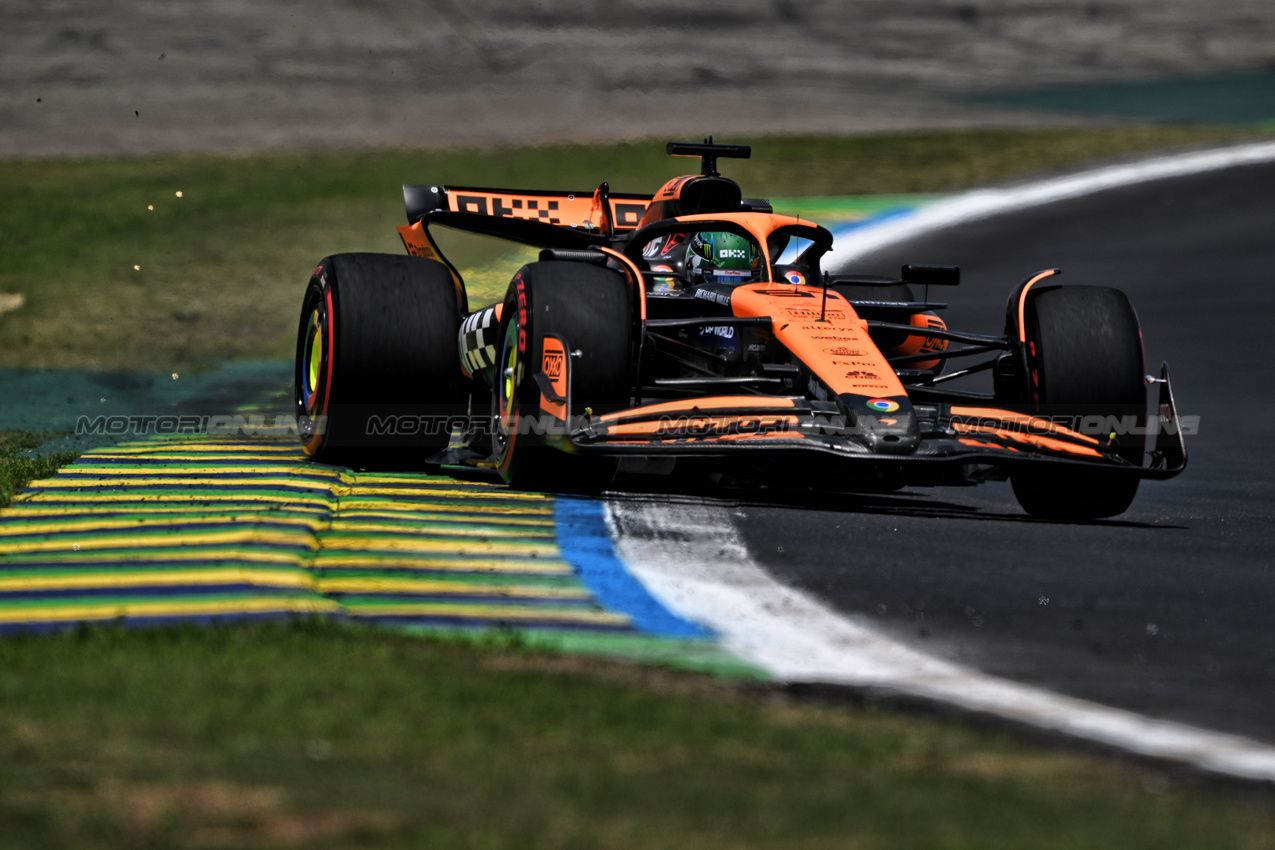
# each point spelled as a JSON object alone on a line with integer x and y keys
{"x": 1165, "y": 610}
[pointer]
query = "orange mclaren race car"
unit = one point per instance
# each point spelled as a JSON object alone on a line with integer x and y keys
{"x": 694, "y": 329}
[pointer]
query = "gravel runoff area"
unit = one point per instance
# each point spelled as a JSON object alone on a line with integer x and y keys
{"x": 148, "y": 76}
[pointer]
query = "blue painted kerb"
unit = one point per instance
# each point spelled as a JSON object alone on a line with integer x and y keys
{"x": 585, "y": 543}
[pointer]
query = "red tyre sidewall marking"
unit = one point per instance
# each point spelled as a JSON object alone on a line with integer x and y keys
{"x": 327, "y": 367}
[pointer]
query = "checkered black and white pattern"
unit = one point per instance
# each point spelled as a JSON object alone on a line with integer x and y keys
{"x": 478, "y": 341}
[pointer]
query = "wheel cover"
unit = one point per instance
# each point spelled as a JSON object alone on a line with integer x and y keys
{"x": 313, "y": 368}
{"x": 312, "y": 377}
{"x": 508, "y": 377}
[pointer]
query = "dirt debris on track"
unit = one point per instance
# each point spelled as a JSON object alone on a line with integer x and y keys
{"x": 139, "y": 77}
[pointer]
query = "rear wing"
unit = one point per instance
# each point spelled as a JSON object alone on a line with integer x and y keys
{"x": 550, "y": 219}
{"x": 572, "y": 220}
{"x": 599, "y": 210}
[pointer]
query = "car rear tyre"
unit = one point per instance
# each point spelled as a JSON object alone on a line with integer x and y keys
{"x": 589, "y": 308}
{"x": 378, "y": 381}
{"x": 1085, "y": 361}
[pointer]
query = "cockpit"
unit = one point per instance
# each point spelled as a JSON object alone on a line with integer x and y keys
{"x": 678, "y": 256}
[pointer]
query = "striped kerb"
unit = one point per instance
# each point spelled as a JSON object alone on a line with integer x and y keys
{"x": 209, "y": 528}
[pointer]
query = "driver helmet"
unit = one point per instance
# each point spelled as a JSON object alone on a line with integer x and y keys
{"x": 719, "y": 257}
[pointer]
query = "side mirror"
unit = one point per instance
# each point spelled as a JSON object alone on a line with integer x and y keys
{"x": 923, "y": 275}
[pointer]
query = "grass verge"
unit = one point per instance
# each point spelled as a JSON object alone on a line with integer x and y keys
{"x": 321, "y": 735}
{"x": 16, "y": 472}
{"x": 172, "y": 264}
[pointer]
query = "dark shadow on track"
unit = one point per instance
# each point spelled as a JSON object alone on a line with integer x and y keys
{"x": 901, "y": 503}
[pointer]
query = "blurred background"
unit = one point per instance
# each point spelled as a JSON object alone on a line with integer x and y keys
{"x": 144, "y": 77}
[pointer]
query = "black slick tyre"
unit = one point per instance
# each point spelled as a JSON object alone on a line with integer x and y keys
{"x": 378, "y": 381}
{"x": 589, "y": 308}
{"x": 1085, "y": 362}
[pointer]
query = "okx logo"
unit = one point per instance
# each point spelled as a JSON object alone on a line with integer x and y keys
{"x": 553, "y": 361}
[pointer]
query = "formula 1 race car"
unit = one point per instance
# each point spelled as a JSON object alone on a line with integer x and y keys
{"x": 695, "y": 330}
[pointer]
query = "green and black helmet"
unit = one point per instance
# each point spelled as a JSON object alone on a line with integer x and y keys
{"x": 718, "y": 257}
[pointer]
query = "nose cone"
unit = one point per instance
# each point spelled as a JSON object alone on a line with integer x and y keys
{"x": 884, "y": 426}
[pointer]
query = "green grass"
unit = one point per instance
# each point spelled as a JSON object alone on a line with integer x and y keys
{"x": 223, "y": 266}
{"x": 17, "y": 471}
{"x": 316, "y": 735}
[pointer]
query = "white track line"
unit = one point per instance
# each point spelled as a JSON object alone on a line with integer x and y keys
{"x": 853, "y": 243}
{"x": 692, "y": 560}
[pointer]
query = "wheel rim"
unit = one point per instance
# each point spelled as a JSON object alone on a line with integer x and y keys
{"x": 313, "y": 368}
{"x": 312, "y": 371}
{"x": 507, "y": 380}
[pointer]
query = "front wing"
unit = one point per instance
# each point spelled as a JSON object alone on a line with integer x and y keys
{"x": 952, "y": 434}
